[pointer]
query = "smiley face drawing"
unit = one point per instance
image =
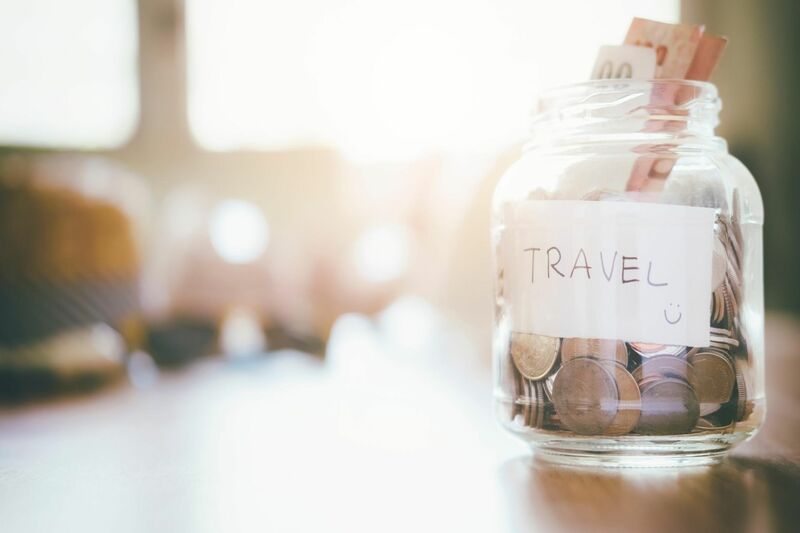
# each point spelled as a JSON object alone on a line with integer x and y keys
{"x": 673, "y": 311}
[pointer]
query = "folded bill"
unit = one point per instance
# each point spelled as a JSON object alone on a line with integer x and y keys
{"x": 706, "y": 57}
{"x": 682, "y": 52}
{"x": 674, "y": 44}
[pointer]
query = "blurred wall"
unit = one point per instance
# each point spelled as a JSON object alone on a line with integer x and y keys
{"x": 758, "y": 78}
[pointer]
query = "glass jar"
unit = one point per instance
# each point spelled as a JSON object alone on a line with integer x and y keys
{"x": 629, "y": 312}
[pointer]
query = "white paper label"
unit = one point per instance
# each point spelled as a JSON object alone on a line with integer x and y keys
{"x": 609, "y": 270}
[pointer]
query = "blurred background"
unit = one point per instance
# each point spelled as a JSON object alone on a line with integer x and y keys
{"x": 245, "y": 268}
{"x": 186, "y": 178}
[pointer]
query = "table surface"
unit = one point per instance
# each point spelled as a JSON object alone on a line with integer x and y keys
{"x": 374, "y": 438}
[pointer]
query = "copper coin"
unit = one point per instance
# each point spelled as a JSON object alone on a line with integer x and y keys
{"x": 714, "y": 377}
{"x": 629, "y": 402}
{"x": 534, "y": 355}
{"x": 598, "y": 348}
{"x": 585, "y": 396}
{"x": 669, "y": 407}
{"x": 651, "y": 350}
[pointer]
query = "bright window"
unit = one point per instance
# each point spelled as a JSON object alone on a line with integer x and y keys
{"x": 386, "y": 79}
{"x": 68, "y": 72}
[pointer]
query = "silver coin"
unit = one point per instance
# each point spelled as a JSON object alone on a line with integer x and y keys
{"x": 534, "y": 355}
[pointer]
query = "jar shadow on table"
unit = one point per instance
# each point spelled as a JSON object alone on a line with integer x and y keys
{"x": 739, "y": 494}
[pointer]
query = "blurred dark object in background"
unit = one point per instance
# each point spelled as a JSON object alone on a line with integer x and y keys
{"x": 69, "y": 255}
{"x": 77, "y": 360}
{"x": 69, "y": 272}
{"x": 175, "y": 342}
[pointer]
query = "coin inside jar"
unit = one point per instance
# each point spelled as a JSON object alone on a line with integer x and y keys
{"x": 530, "y": 405}
{"x": 533, "y": 414}
{"x": 598, "y": 348}
{"x": 548, "y": 385}
{"x": 629, "y": 402}
{"x": 534, "y": 355}
{"x": 662, "y": 366}
{"x": 740, "y": 394}
{"x": 651, "y": 350}
{"x": 540, "y": 403}
{"x": 669, "y": 407}
{"x": 718, "y": 306}
{"x": 518, "y": 392}
{"x": 714, "y": 377}
{"x": 585, "y": 396}
{"x": 719, "y": 264}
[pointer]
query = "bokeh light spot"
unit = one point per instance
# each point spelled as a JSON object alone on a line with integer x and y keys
{"x": 239, "y": 231}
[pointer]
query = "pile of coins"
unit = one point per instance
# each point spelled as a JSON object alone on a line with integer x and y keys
{"x": 614, "y": 387}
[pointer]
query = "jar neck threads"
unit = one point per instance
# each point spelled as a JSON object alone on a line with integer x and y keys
{"x": 654, "y": 112}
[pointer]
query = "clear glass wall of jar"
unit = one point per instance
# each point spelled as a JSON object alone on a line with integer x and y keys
{"x": 629, "y": 287}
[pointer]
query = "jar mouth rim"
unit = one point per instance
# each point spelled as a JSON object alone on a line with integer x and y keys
{"x": 577, "y": 94}
{"x": 653, "y": 108}
{"x": 619, "y": 83}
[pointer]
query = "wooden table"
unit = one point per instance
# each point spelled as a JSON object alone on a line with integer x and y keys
{"x": 377, "y": 438}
